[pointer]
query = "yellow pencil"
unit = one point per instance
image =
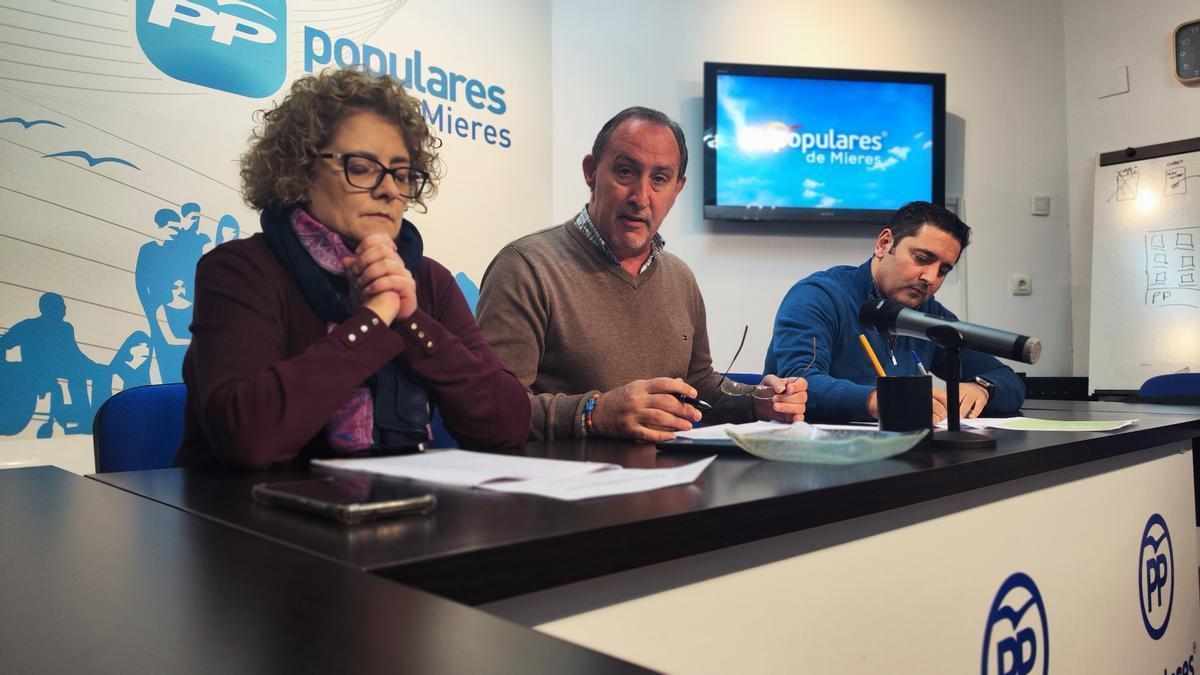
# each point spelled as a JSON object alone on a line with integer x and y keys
{"x": 871, "y": 353}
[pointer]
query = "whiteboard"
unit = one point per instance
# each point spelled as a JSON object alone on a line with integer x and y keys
{"x": 1145, "y": 280}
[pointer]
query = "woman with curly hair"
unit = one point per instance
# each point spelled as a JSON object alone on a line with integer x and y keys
{"x": 330, "y": 334}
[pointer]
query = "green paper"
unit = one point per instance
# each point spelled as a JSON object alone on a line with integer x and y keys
{"x": 1035, "y": 424}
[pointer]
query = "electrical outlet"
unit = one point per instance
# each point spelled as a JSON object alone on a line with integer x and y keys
{"x": 1021, "y": 284}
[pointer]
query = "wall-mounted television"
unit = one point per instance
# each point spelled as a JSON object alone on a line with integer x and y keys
{"x": 820, "y": 144}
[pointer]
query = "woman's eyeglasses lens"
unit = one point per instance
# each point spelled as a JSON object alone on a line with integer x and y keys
{"x": 366, "y": 174}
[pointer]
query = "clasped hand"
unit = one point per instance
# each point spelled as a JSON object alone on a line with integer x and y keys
{"x": 379, "y": 280}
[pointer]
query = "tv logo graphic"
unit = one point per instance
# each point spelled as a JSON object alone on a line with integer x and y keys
{"x": 236, "y": 46}
{"x": 776, "y": 136}
{"x": 1156, "y": 576}
{"x": 1016, "y": 641}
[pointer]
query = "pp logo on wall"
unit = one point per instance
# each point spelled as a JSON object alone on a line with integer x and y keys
{"x": 238, "y": 46}
{"x": 1156, "y": 576}
{"x": 1016, "y": 641}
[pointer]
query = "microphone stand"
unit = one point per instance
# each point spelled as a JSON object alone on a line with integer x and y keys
{"x": 953, "y": 437}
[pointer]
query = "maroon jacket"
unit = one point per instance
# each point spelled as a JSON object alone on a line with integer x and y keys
{"x": 264, "y": 377}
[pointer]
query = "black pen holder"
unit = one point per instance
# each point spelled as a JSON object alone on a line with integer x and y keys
{"x": 905, "y": 402}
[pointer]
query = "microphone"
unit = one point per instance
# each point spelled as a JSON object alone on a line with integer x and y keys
{"x": 893, "y": 318}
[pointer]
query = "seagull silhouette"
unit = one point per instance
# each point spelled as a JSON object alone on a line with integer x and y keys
{"x": 92, "y": 161}
{"x": 29, "y": 123}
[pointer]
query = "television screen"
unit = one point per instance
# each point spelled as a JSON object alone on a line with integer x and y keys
{"x": 785, "y": 143}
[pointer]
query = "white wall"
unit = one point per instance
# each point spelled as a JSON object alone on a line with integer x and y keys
{"x": 1102, "y": 35}
{"x": 1004, "y": 66}
{"x": 489, "y": 196}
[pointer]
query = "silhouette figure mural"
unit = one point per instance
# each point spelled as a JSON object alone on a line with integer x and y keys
{"x": 227, "y": 229}
{"x": 45, "y": 378}
{"x": 47, "y": 353}
{"x": 159, "y": 266}
{"x": 469, "y": 290}
{"x": 129, "y": 368}
{"x": 173, "y": 319}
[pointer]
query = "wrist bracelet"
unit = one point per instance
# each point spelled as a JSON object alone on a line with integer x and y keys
{"x": 585, "y": 423}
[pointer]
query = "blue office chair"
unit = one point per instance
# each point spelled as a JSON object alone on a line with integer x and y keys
{"x": 1180, "y": 388}
{"x": 139, "y": 428}
{"x": 441, "y": 437}
{"x": 746, "y": 378}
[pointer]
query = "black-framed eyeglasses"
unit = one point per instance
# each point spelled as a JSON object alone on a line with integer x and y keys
{"x": 366, "y": 173}
{"x": 741, "y": 344}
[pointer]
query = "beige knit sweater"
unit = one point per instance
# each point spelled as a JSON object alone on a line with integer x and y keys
{"x": 569, "y": 322}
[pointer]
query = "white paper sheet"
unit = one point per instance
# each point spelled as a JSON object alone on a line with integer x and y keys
{"x": 717, "y": 431}
{"x": 556, "y": 478}
{"x": 606, "y": 483}
{"x": 466, "y": 468}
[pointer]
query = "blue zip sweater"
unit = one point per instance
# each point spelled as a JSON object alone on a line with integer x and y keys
{"x": 825, "y": 306}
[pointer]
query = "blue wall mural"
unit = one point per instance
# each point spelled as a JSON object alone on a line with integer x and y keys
{"x": 42, "y": 363}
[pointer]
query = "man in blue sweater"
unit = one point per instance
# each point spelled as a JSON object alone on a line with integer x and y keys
{"x": 912, "y": 257}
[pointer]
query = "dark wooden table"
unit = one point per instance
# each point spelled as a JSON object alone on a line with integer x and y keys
{"x": 1127, "y": 409}
{"x": 96, "y": 580}
{"x": 481, "y": 546}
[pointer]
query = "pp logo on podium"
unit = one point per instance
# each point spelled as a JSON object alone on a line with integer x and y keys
{"x": 1016, "y": 641}
{"x": 238, "y": 46}
{"x": 1156, "y": 576}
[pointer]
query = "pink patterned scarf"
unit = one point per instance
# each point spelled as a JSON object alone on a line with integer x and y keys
{"x": 349, "y": 430}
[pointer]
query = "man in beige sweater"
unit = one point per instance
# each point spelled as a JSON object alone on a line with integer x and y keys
{"x": 604, "y": 328}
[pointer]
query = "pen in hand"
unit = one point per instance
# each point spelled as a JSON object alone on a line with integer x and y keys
{"x": 695, "y": 402}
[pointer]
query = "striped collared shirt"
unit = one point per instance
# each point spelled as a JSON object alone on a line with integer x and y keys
{"x": 584, "y": 222}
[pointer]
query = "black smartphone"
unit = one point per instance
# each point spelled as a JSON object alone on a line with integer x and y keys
{"x": 345, "y": 499}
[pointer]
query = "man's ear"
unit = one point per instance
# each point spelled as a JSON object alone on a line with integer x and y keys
{"x": 589, "y": 171}
{"x": 883, "y": 243}
{"x": 679, "y": 185}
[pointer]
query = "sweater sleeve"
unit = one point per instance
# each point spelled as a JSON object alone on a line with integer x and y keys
{"x": 257, "y": 405}
{"x": 483, "y": 405}
{"x": 808, "y": 320}
{"x": 513, "y": 315}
